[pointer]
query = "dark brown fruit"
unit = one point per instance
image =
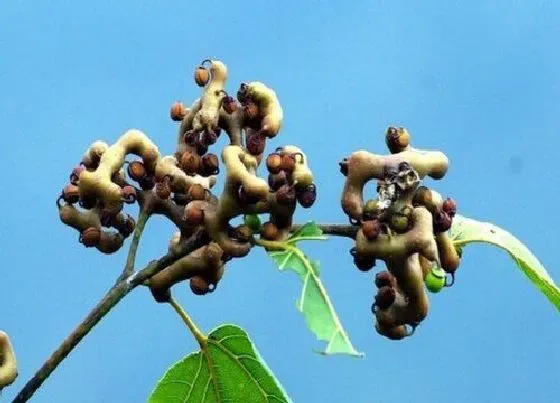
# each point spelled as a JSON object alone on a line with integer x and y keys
{"x": 147, "y": 183}
{"x": 196, "y": 192}
{"x": 180, "y": 199}
{"x": 88, "y": 202}
{"x": 383, "y": 278}
{"x": 274, "y": 163}
{"x": 343, "y": 165}
{"x": 210, "y": 164}
{"x": 251, "y": 110}
{"x": 243, "y": 233}
{"x": 269, "y": 231}
{"x": 199, "y": 285}
{"x": 364, "y": 263}
{"x": 201, "y": 148}
{"x": 90, "y": 237}
{"x": 450, "y": 207}
{"x": 136, "y": 171}
{"x": 275, "y": 181}
{"x": 201, "y": 76}
{"x": 125, "y": 224}
{"x": 161, "y": 295}
{"x": 71, "y": 194}
{"x": 229, "y": 104}
{"x": 371, "y": 229}
{"x": 128, "y": 194}
{"x": 75, "y": 175}
{"x": 194, "y": 215}
{"x": 190, "y": 163}
{"x": 286, "y": 195}
{"x": 385, "y": 297}
{"x": 256, "y": 143}
{"x": 163, "y": 189}
{"x": 208, "y": 138}
{"x": 177, "y": 112}
{"x": 306, "y": 196}
{"x": 288, "y": 163}
{"x": 441, "y": 220}
{"x": 246, "y": 198}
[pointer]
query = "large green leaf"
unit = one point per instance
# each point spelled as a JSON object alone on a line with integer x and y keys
{"x": 229, "y": 369}
{"x": 466, "y": 230}
{"x": 314, "y": 301}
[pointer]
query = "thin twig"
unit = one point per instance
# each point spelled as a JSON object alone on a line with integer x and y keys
{"x": 128, "y": 270}
{"x": 112, "y": 298}
{"x": 342, "y": 230}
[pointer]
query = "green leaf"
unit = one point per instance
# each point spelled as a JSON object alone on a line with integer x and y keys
{"x": 466, "y": 230}
{"x": 314, "y": 301}
{"x": 228, "y": 369}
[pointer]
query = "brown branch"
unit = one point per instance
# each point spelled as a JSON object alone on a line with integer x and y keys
{"x": 125, "y": 286}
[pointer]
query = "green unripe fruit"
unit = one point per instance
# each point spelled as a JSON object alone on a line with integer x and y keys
{"x": 435, "y": 279}
{"x": 253, "y": 222}
{"x": 371, "y": 209}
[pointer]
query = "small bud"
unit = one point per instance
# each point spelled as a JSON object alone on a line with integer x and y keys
{"x": 196, "y": 192}
{"x": 371, "y": 229}
{"x": 397, "y": 139}
{"x": 385, "y": 297}
{"x": 229, "y": 104}
{"x": 190, "y": 163}
{"x": 128, "y": 194}
{"x": 371, "y": 209}
{"x": 306, "y": 195}
{"x": 275, "y": 181}
{"x": 199, "y": 285}
{"x": 274, "y": 163}
{"x": 450, "y": 207}
{"x": 177, "y": 112}
{"x": 286, "y": 195}
{"x": 71, "y": 194}
{"x": 269, "y": 231}
{"x": 253, "y": 222}
{"x": 256, "y": 144}
{"x": 75, "y": 175}
{"x": 201, "y": 76}
{"x": 136, "y": 170}
{"x": 194, "y": 215}
{"x": 90, "y": 237}
{"x": 210, "y": 164}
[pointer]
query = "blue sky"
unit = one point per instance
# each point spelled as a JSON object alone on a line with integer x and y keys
{"x": 479, "y": 80}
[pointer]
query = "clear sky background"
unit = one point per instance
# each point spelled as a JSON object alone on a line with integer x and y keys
{"x": 479, "y": 80}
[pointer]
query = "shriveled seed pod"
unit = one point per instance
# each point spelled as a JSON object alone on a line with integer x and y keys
{"x": 384, "y": 278}
{"x": 441, "y": 220}
{"x": 163, "y": 189}
{"x": 274, "y": 163}
{"x": 209, "y": 138}
{"x": 75, "y": 175}
{"x": 397, "y": 139}
{"x": 71, "y": 194}
{"x": 251, "y": 110}
{"x": 275, "y": 181}
{"x": 128, "y": 194}
{"x": 256, "y": 144}
{"x": 210, "y": 164}
{"x": 177, "y": 112}
{"x": 190, "y": 163}
{"x": 371, "y": 229}
{"x": 269, "y": 231}
{"x": 306, "y": 195}
{"x": 125, "y": 224}
{"x": 196, "y": 192}
{"x": 201, "y": 148}
{"x": 201, "y": 76}
{"x": 385, "y": 297}
{"x": 286, "y": 195}
{"x": 229, "y": 104}
{"x": 343, "y": 166}
{"x": 90, "y": 237}
{"x": 194, "y": 215}
{"x": 288, "y": 163}
{"x": 199, "y": 285}
{"x": 136, "y": 170}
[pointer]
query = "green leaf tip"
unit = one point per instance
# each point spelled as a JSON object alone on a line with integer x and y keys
{"x": 465, "y": 231}
{"x": 314, "y": 302}
{"x": 229, "y": 369}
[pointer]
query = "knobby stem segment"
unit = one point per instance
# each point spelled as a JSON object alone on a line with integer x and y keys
{"x": 200, "y": 337}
